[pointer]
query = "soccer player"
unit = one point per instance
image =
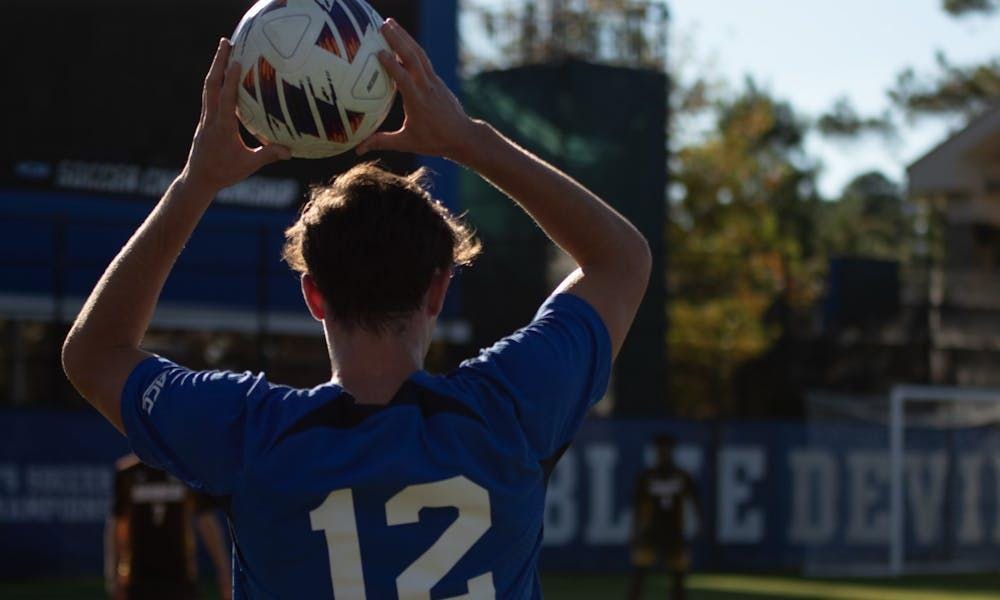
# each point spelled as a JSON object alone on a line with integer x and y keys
{"x": 386, "y": 481}
{"x": 658, "y": 522}
{"x": 150, "y": 549}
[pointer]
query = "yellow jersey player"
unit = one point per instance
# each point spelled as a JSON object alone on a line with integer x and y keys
{"x": 658, "y": 527}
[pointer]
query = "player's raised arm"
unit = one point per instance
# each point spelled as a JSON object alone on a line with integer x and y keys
{"x": 613, "y": 257}
{"x": 102, "y": 347}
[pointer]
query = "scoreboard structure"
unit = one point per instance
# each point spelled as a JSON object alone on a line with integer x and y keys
{"x": 606, "y": 126}
{"x": 116, "y": 82}
{"x": 100, "y": 119}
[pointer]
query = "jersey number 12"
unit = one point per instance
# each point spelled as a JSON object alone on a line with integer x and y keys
{"x": 336, "y": 519}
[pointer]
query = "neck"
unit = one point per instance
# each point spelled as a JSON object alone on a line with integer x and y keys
{"x": 372, "y": 367}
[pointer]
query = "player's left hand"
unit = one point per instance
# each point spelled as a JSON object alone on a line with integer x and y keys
{"x": 435, "y": 122}
{"x": 218, "y": 157}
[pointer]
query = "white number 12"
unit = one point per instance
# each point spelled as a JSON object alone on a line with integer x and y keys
{"x": 336, "y": 519}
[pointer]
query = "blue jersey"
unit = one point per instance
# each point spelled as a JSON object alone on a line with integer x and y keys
{"x": 438, "y": 494}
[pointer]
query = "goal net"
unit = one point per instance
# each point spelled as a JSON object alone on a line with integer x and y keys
{"x": 916, "y": 482}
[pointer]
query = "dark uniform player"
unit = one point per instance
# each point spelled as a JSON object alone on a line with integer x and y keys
{"x": 150, "y": 541}
{"x": 658, "y": 530}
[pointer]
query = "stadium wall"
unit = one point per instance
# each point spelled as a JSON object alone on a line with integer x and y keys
{"x": 774, "y": 496}
{"x": 605, "y": 126}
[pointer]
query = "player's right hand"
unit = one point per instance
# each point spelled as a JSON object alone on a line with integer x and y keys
{"x": 436, "y": 123}
{"x": 218, "y": 157}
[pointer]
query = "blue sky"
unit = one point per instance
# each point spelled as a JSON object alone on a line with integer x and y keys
{"x": 811, "y": 52}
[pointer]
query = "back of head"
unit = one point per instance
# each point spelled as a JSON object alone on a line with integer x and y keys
{"x": 372, "y": 241}
{"x": 665, "y": 444}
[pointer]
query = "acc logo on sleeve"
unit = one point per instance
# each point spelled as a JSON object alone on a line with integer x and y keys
{"x": 152, "y": 393}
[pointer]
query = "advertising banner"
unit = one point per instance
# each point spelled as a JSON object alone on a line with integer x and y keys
{"x": 772, "y": 495}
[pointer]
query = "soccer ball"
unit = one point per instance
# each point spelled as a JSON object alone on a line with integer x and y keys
{"x": 311, "y": 76}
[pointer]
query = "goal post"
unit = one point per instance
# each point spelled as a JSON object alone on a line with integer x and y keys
{"x": 931, "y": 408}
{"x": 896, "y": 483}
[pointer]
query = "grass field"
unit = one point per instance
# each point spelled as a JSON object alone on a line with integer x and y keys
{"x": 701, "y": 587}
{"x": 758, "y": 587}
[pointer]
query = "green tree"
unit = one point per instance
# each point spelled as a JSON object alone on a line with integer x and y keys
{"x": 844, "y": 121}
{"x": 622, "y": 32}
{"x": 954, "y": 89}
{"x": 748, "y": 235}
{"x": 742, "y": 237}
{"x": 962, "y": 7}
{"x": 871, "y": 220}
{"x": 965, "y": 90}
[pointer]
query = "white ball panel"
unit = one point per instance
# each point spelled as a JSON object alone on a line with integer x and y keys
{"x": 286, "y": 34}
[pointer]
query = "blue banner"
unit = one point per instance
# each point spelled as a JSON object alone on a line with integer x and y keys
{"x": 233, "y": 260}
{"x": 56, "y": 472}
{"x": 783, "y": 496}
{"x": 773, "y": 495}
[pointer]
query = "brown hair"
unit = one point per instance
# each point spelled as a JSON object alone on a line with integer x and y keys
{"x": 372, "y": 240}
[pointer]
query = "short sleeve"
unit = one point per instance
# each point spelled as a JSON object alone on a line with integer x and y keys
{"x": 188, "y": 423}
{"x": 553, "y": 370}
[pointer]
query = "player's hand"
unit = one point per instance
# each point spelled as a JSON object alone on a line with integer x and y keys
{"x": 435, "y": 123}
{"x": 219, "y": 158}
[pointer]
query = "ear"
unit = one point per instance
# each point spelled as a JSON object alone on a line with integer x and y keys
{"x": 437, "y": 292}
{"x": 313, "y": 297}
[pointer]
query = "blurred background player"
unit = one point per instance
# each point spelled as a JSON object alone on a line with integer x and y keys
{"x": 150, "y": 539}
{"x": 661, "y": 494}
